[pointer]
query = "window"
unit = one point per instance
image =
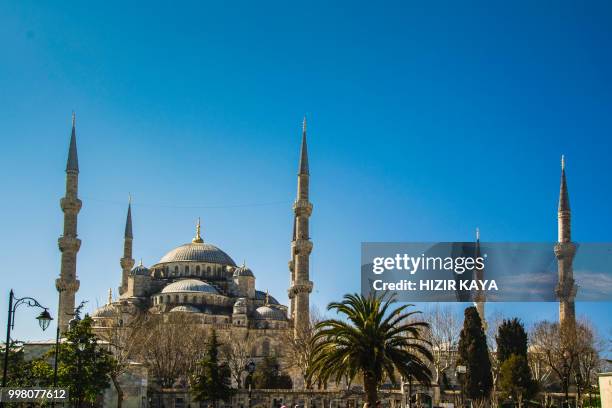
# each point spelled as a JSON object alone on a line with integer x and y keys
{"x": 198, "y": 270}
{"x": 176, "y": 271}
{"x": 186, "y": 269}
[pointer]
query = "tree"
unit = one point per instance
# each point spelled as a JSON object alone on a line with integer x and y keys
{"x": 124, "y": 339}
{"x": 477, "y": 382}
{"x": 375, "y": 342}
{"x": 554, "y": 343}
{"x": 511, "y": 339}
{"x": 212, "y": 379}
{"x": 268, "y": 375}
{"x": 236, "y": 350}
{"x": 22, "y": 373}
{"x": 443, "y": 334}
{"x": 171, "y": 347}
{"x": 300, "y": 350}
{"x": 84, "y": 367}
{"x": 515, "y": 379}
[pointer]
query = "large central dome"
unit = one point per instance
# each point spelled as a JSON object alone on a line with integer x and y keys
{"x": 198, "y": 251}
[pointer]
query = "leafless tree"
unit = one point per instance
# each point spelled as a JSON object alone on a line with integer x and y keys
{"x": 172, "y": 344}
{"x": 236, "y": 350}
{"x": 570, "y": 352}
{"x": 443, "y": 334}
{"x": 299, "y": 349}
{"x": 123, "y": 338}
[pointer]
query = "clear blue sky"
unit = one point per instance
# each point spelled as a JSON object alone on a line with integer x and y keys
{"x": 425, "y": 121}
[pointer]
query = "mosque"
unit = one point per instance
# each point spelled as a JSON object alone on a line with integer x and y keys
{"x": 196, "y": 278}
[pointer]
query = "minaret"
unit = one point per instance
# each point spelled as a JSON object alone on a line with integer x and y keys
{"x": 565, "y": 250}
{"x": 67, "y": 284}
{"x": 127, "y": 262}
{"x": 480, "y": 297}
{"x": 301, "y": 247}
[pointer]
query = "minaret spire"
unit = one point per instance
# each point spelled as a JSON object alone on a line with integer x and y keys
{"x": 127, "y": 261}
{"x": 479, "y": 296}
{"x": 565, "y": 250}
{"x": 197, "y": 239}
{"x": 110, "y": 296}
{"x": 301, "y": 247}
{"x": 69, "y": 244}
{"x": 72, "y": 163}
{"x": 303, "y": 151}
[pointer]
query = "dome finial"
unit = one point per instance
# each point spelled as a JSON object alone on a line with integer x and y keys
{"x": 197, "y": 239}
{"x": 267, "y": 297}
{"x": 110, "y": 296}
{"x": 477, "y": 234}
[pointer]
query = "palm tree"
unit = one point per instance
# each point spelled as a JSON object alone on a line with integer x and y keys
{"x": 375, "y": 342}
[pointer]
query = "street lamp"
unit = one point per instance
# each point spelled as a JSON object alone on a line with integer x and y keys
{"x": 250, "y": 369}
{"x": 44, "y": 318}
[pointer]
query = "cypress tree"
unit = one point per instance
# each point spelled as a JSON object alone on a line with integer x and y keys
{"x": 212, "y": 382}
{"x": 511, "y": 339}
{"x": 515, "y": 378}
{"x": 473, "y": 353}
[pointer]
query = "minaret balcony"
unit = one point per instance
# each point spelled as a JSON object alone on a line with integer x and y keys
{"x": 69, "y": 243}
{"x": 565, "y": 250}
{"x": 302, "y": 207}
{"x": 67, "y": 286}
{"x": 69, "y": 204}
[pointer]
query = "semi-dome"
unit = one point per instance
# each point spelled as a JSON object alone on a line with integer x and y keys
{"x": 140, "y": 270}
{"x": 243, "y": 271}
{"x": 185, "y": 308}
{"x": 260, "y": 295}
{"x": 105, "y": 311}
{"x": 198, "y": 251}
{"x": 189, "y": 285}
{"x": 269, "y": 313}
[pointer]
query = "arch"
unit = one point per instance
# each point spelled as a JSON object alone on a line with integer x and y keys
{"x": 186, "y": 269}
{"x": 265, "y": 347}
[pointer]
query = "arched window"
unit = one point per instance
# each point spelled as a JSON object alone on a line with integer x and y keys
{"x": 265, "y": 347}
{"x": 198, "y": 270}
{"x": 176, "y": 270}
{"x": 167, "y": 298}
{"x": 193, "y": 299}
{"x": 176, "y": 298}
{"x": 208, "y": 269}
{"x": 186, "y": 269}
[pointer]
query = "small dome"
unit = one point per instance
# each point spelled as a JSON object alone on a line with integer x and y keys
{"x": 243, "y": 271}
{"x": 240, "y": 302}
{"x": 105, "y": 311}
{"x": 140, "y": 270}
{"x": 189, "y": 285}
{"x": 198, "y": 251}
{"x": 260, "y": 295}
{"x": 269, "y": 313}
{"x": 185, "y": 308}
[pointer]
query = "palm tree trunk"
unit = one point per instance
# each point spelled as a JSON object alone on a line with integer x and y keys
{"x": 369, "y": 385}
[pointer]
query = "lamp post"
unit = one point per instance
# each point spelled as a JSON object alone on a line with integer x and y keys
{"x": 44, "y": 319}
{"x": 250, "y": 369}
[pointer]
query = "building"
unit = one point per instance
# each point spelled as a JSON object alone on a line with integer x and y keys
{"x": 196, "y": 278}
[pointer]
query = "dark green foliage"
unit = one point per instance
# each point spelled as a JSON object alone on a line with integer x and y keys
{"x": 268, "y": 375}
{"x": 22, "y": 373}
{"x": 212, "y": 380}
{"x": 515, "y": 379}
{"x": 511, "y": 339}
{"x": 86, "y": 372}
{"x": 477, "y": 382}
{"x": 375, "y": 341}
